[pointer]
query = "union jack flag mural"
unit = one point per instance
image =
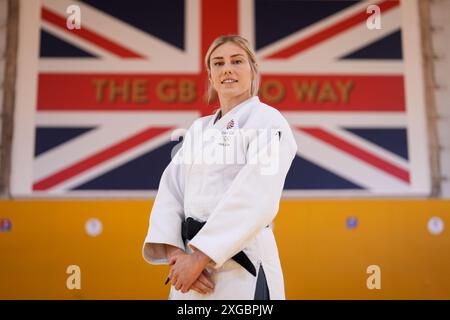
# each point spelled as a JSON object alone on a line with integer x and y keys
{"x": 110, "y": 94}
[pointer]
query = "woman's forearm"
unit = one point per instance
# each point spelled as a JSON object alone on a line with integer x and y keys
{"x": 202, "y": 259}
{"x": 172, "y": 250}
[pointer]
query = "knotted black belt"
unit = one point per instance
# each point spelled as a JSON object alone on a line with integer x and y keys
{"x": 191, "y": 227}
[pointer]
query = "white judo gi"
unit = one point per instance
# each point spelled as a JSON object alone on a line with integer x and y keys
{"x": 238, "y": 199}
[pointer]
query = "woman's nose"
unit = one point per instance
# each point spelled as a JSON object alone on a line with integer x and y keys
{"x": 227, "y": 68}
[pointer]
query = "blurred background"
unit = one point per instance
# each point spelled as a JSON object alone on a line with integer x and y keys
{"x": 92, "y": 90}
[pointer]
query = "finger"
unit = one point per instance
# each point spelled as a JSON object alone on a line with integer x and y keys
{"x": 172, "y": 260}
{"x": 201, "y": 286}
{"x": 196, "y": 287}
{"x": 205, "y": 281}
{"x": 208, "y": 276}
{"x": 184, "y": 289}
{"x": 174, "y": 280}
{"x": 178, "y": 286}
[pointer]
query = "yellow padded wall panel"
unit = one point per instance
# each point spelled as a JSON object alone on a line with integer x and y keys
{"x": 322, "y": 257}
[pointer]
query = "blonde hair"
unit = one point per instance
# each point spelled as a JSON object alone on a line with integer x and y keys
{"x": 242, "y": 43}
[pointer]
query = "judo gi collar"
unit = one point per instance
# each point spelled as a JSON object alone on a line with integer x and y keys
{"x": 225, "y": 120}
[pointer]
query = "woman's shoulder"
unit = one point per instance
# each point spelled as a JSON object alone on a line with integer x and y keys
{"x": 202, "y": 121}
{"x": 265, "y": 114}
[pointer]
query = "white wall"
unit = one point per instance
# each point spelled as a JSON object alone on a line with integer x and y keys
{"x": 440, "y": 21}
{"x": 3, "y": 18}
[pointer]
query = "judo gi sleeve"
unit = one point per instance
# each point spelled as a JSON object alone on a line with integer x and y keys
{"x": 167, "y": 213}
{"x": 252, "y": 200}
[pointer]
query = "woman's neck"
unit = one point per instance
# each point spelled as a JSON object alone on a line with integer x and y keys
{"x": 226, "y": 104}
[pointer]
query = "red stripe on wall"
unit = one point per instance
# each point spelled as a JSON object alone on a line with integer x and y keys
{"x": 357, "y": 152}
{"x": 329, "y": 32}
{"x": 89, "y": 36}
{"x": 364, "y": 93}
{"x": 218, "y": 18}
{"x": 102, "y": 156}
{"x": 71, "y": 92}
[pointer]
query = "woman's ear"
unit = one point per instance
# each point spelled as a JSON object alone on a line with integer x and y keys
{"x": 210, "y": 81}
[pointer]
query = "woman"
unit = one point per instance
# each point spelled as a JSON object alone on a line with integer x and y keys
{"x": 211, "y": 220}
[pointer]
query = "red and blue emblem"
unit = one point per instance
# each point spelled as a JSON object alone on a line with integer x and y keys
{"x": 230, "y": 124}
{"x": 5, "y": 225}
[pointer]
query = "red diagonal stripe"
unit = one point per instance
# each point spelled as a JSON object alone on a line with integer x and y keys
{"x": 329, "y": 32}
{"x": 89, "y": 35}
{"x": 216, "y": 20}
{"x": 357, "y": 152}
{"x": 97, "y": 158}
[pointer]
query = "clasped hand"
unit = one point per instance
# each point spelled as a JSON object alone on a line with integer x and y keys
{"x": 187, "y": 271}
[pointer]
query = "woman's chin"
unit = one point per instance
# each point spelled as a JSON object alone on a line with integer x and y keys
{"x": 230, "y": 92}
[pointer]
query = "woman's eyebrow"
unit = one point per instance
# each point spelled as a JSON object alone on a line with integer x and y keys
{"x": 234, "y": 55}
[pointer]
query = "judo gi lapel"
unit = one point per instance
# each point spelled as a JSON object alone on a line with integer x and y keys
{"x": 227, "y": 125}
{"x": 229, "y": 145}
{"x": 230, "y": 115}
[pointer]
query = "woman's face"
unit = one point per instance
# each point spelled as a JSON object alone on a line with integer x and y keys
{"x": 231, "y": 74}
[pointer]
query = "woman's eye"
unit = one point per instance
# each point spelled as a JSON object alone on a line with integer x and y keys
{"x": 237, "y": 61}
{"x": 218, "y": 63}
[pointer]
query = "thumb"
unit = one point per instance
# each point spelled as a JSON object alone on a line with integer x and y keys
{"x": 172, "y": 260}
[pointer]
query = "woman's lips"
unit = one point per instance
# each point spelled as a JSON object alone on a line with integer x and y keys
{"x": 229, "y": 82}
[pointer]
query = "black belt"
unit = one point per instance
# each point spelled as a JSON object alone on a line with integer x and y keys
{"x": 191, "y": 227}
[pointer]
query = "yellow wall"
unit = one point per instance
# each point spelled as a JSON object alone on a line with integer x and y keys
{"x": 321, "y": 257}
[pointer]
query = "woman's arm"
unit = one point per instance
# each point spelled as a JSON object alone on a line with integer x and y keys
{"x": 172, "y": 251}
{"x": 167, "y": 214}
